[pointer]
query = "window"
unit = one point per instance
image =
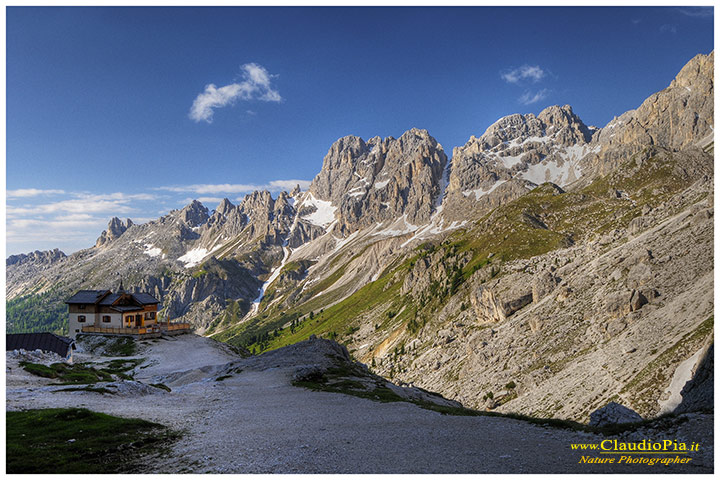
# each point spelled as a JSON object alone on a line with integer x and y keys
{"x": 81, "y": 318}
{"x": 77, "y": 330}
{"x": 106, "y": 319}
{"x": 149, "y": 315}
{"x": 81, "y": 306}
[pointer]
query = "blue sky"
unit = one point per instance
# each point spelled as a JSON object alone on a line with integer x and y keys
{"x": 110, "y": 113}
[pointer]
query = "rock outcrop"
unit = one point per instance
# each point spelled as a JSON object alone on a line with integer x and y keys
{"x": 116, "y": 227}
{"x": 37, "y": 257}
{"x": 678, "y": 117}
{"x": 612, "y": 414}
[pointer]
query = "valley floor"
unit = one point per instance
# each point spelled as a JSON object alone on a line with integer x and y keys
{"x": 244, "y": 416}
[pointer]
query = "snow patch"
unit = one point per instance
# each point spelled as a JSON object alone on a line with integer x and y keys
{"x": 550, "y": 171}
{"x": 151, "y": 250}
{"x": 479, "y": 192}
{"x": 382, "y": 184}
{"x": 433, "y": 228}
{"x": 196, "y": 255}
{"x": 324, "y": 213}
{"x": 193, "y": 257}
{"x": 683, "y": 373}
{"x": 511, "y": 160}
{"x": 399, "y": 227}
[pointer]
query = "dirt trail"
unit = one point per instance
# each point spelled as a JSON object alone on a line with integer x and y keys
{"x": 254, "y": 421}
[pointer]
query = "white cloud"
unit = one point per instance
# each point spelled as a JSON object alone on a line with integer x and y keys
{"x": 32, "y": 192}
{"x": 68, "y": 234}
{"x": 72, "y": 222}
{"x": 532, "y": 73}
{"x": 528, "y": 98}
{"x": 256, "y": 85}
{"x": 209, "y": 199}
{"x": 230, "y": 188}
{"x": 697, "y": 11}
{"x": 668, "y": 28}
{"x": 114, "y": 203}
{"x": 289, "y": 184}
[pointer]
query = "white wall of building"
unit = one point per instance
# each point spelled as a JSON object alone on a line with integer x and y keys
{"x": 75, "y": 325}
{"x": 115, "y": 320}
{"x": 92, "y": 320}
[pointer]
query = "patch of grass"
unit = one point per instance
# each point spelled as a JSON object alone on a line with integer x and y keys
{"x": 199, "y": 273}
{"x": 120, "y": 366}
{"x": 85, "y": 388}
{"x": 161, "y": 386}
{"x": 75, "y": 440}
{"x": 121, "y": 347}
{"x": 68, "y": 374}
{"x": 40, "y": 370}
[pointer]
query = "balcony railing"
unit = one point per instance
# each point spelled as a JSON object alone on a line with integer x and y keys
{"x": 118, "y": 331}
{"x": 174, "y": 326}
{"x": 150, "y": 329}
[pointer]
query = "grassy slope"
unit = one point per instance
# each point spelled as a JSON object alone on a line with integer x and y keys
{"x": 43, "y": 312}
{"x": 79, "y": 441}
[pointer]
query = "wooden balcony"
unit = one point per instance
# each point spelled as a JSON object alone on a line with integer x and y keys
{"x": 154, "y": 330}
{"x": 174, "y": 328}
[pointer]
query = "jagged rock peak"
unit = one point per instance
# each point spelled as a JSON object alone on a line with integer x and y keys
{"x": 677, "y": 117}
{"x": 257, "y": 205}
{"x": 45, "y": 257}
{"x": 194, "y": 214}
{"x": 257, "y": 198}
{"x": 514, "y": 152}
{"x": 379, "y": 180}
{"x": 555, "y": 121}
{"x": 225, "y": 207}
{"x": 116, "y": 228}
{"x": 699, "y": 67}
{"x": 295, "y": 191}
{"x": 282, "y": 205}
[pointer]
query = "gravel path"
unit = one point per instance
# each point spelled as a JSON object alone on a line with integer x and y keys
{"x": 256, "y": 422}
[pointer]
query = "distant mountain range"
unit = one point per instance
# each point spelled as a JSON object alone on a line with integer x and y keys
{"x": 546, "y": 269}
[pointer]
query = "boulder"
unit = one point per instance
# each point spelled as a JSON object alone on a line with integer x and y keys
{"x": 612, "y": 414}
{"x": 638, "y": 224}
{"x": 637, "y": 301}
{"x": 311, "y": 373}
{"x": 542, "y": 285}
